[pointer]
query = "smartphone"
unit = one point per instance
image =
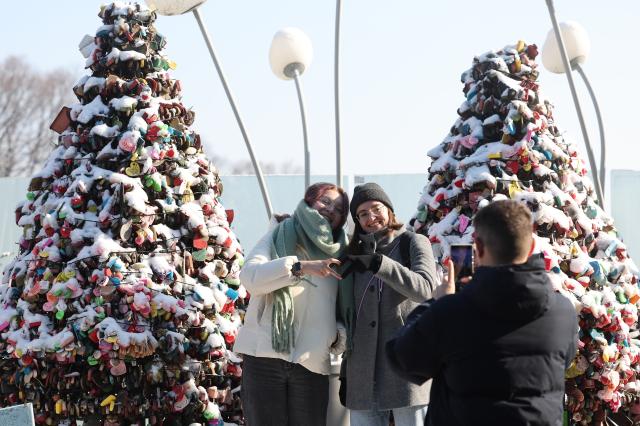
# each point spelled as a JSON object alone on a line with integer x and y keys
{"x": 462, "y": 257}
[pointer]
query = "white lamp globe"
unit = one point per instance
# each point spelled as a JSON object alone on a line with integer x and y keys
{"x": 173, "y": 7}
{"x": 290, "y": 50}
{"x": 576, "y": 41}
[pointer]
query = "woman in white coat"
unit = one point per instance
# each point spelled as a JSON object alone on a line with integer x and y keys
{"x": 290, "y": 327}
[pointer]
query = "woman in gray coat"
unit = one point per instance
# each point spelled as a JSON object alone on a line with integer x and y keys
{"x": 394, "y": 273}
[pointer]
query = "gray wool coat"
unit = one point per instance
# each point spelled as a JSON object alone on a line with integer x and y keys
{"x": 382, "y": 302}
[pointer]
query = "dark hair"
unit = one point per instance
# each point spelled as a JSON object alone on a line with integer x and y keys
{"x": 354, "y": 240}
{"x": 505, "y": 228}
{"x": 317, "y": 190}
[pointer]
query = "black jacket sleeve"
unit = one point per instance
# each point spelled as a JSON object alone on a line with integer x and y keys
{"x": 413, "y": 353}
{"x": 573, "y": 344}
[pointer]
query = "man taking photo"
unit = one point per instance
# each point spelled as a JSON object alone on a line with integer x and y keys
{"x": 498, "y": 349}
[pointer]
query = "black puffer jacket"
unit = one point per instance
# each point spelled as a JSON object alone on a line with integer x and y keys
{"x": 497, "y": 350}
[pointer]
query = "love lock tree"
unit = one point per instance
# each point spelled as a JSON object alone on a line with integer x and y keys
{"x": 505, "y": 145}
{"x": 123, "y": 303}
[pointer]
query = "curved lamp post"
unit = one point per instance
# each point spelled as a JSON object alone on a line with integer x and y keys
{"x": 179, "y": 7}
{"x": 336, "y": 94}
{"x": 570, "y": 46}
{"x": 290, "y": 55}
{"x": 578, "y": 46}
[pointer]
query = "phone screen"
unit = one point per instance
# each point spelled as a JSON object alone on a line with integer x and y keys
{"x": 462, "y": 257}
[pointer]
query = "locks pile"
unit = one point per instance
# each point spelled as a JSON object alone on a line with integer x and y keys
{"x": 124, "y": 301}
{"x": 505, "y": 145}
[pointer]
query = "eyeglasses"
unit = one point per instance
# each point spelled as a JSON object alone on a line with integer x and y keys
{"x": 376, "y": 211}
{"x": 331, "y": 205}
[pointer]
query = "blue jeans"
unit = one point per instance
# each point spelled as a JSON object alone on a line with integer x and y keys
{"x": 279, "y": 393}
{"x": 405, "y": 416}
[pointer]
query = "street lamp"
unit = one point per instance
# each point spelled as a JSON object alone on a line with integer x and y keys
{"x": 179, "y": 7}
{"x": 290, "y": 55}
{"x": 336, "y": 93}
{"x": 565, "y": 49}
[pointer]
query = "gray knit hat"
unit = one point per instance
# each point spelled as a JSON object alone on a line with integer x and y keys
{"x": 368, "y": 192}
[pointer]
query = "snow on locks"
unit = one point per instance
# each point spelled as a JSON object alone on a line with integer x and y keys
{"x": 505, "y": 144}
{"x": 124, "y": 301}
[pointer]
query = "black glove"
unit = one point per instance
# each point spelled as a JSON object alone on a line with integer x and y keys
{"x": 366, "y": 262}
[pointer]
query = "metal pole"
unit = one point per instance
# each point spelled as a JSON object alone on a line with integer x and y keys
{"x": 603, "y": 168}
{"x": 336, "y": 94}
{"x": 256, "y": 165}
{"x": 576, "y": 101}
{"x": 307, "y": 155}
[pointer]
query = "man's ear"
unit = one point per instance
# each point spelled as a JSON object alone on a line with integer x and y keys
{"x": 533, "y": 246}
{"x": 479, "y": 248}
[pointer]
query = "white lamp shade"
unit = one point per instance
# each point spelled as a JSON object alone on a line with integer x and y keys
{"x": 173, "y": 7}
{"x": 290, "y": 46}
{"x": 576, "y": 42}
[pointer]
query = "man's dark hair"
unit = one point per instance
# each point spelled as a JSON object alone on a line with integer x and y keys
{"x": 505, "y": 228}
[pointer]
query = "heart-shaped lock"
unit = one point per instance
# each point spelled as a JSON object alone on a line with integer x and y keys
{"x": 133, "y": 170}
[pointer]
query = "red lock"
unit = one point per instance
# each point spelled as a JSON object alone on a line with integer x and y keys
{"x": 200, "y": 243}
{"x": 93, "y": 335}
{"x": 229, "y": 338}
{"x": 65, "y": 231}
{"x": 230, "y": 215}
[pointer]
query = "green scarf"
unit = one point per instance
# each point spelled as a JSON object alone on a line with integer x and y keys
{"x": 309, "y": 233}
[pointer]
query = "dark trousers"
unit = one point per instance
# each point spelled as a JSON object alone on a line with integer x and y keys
{"x": 280, "y": 393}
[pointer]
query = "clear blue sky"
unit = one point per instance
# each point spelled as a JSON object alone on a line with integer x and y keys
{"x": 401, "y": 63}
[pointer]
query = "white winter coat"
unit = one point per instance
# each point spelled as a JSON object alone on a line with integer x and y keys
{"x": 314, "y": 309}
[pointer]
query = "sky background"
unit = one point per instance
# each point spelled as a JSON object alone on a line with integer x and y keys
{"x": 400, "y": 71}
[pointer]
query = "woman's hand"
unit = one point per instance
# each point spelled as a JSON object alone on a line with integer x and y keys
{"x": 320, "y": 268}
{"x": 339, "y": 345}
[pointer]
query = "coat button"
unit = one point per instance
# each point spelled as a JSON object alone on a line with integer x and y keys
{"x": 372, "y": 323}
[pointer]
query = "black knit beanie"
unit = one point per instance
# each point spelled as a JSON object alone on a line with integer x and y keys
{"x": 368, "y": 192}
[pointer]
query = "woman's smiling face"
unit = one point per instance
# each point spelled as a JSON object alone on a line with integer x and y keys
{"x": 372, "y": 216}
{"x": 330, "y": 206}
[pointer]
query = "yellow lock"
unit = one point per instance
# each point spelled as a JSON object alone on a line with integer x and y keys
{"x": 110, "y": 401}
{"x": 575, "y": 249}
{"x": 58, "y": 406}
{"x": 520, "y": 46}
{"x": 187, "y": 196}
{"x": 514, "y": 188}
{"x": 517, "y": 65}
{"x": 112, "y": 339}
{"x": 172, "y": 65}
{"x": 495, "y": 155}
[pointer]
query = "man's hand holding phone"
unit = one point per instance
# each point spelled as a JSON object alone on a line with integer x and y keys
{"x": 460, "y": 268}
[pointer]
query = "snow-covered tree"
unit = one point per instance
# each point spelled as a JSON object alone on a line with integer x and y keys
{"x": 124, "y": 300}
{"x": 505, "y": 144}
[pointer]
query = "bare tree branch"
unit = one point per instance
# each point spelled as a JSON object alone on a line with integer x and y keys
{"x": 29, "y": 101}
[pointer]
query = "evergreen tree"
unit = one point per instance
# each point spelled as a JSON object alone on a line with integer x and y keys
{"x": 505, "y": 144}
{"x": 124, "y": 301}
